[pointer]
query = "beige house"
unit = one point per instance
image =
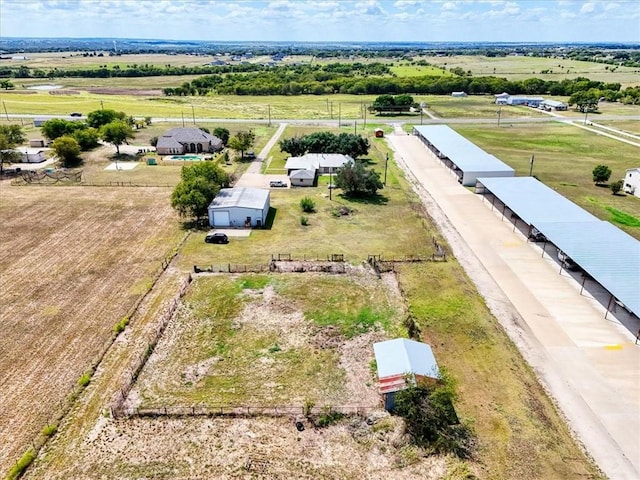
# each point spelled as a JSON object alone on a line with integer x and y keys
{"x": 179, "y": 141}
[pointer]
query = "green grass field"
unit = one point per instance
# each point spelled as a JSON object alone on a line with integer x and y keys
{"x": 564, "y": 159}
{"x": 264, "y": 355}
{"x": 521, "y": 67}
{"x": 403, "y": 69}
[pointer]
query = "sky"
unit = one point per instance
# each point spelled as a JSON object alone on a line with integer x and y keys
{"x": 327, "y": 20}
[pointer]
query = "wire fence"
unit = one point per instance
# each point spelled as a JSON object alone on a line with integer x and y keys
{"x": 245, "y": 411}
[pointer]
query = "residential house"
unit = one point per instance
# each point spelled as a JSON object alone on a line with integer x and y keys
{"x": 631, "y": 183}
{"x": 179, "y": 141}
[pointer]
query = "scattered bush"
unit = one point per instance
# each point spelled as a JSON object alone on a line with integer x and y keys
{"x": 328, "y": 418}
{"x": 308, "y": 205}
{"x": 304, "y": 221}
{"x": 50, "y": 430}
{"x": 616, "y": 187}
{"x": 85, "y": 379}
{"x": 121, "y": 325}
{"x": 21, "y": 465}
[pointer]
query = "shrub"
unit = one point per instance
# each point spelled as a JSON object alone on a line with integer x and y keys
{"x": 304, "y": 221}
{"x": 50, "y": 430}
{"x": 85, "y": 379}
{"x": 21, "y": 465}
{"x": 307, "y": 205}
{"x": 601, "y": 174}
{"x": 121, "y": 325}
{"x": 616, "y": 187}
{"x": 328, "y": 418}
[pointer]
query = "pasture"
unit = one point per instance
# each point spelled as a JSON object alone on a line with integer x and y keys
{"x": 522, "y": 67}
{"x": 518, "y": 429}
{"x": 565, "y": 157}
{"x": 75, "y": 260}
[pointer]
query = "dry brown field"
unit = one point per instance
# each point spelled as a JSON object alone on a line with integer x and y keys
{"x": 74, "y": 262}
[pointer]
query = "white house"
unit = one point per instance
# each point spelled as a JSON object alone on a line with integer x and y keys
{"x": 631, "y": 183}
{"x": 178, "y": 141}
{"x": 315, "y": 163}
{"x": 239, "y": 207}
{"x": 554, "y": 105}
{"x": 501, "y": 98}
{"x": 524, "y": 100}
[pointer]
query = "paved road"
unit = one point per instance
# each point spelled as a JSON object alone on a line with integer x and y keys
{"x": 590, "y": 365}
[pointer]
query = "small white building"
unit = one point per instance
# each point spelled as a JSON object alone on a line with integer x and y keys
{"x": 553, "y": 105}
{"x": 501, "y": 98}
{"x": 459, "y": 94}
{"x": 303, "y": 178}
{"x": 631, "y": 182}
{"x": 239, "y": 207}
{"x": 524, "y": 100}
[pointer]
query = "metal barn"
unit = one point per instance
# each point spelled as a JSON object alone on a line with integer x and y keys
{"x": 239, "y": 207}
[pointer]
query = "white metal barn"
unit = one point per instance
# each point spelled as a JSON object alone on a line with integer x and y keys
{"x": 239, "y": 207}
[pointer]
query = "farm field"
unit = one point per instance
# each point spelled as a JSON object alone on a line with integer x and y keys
{"x": 625, "y": 126}
{"x": 564, "y": 159}
{"x": 523, "y": 67}
{"x": 66, "y": 282}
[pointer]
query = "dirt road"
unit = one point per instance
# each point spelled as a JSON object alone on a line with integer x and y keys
{"x": 588, "y": 364}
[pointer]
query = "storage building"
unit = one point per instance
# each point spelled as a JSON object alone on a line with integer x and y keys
{"x": 239, "y": 207}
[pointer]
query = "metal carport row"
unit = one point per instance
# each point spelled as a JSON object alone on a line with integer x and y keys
{"x": 609, "y": 255}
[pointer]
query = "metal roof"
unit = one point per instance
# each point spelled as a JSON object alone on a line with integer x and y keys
{"x": 608, "y": 254}
{"x": 243, "y": 197}
{"x": 313, "y": 161}
{"x": 534, "y": 202}
{"x": 465, "y": 154}
{"x": 402, "y": 356}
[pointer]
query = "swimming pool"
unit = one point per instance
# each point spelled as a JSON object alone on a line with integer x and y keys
{"x": 187, "y": 158}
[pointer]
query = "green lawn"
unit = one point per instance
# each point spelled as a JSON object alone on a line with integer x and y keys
{"x": 260, "y": 355}
{"x": 407, "y": 70}
{"x": 565, "y": 156}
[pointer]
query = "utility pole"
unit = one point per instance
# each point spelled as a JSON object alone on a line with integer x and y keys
{"x": 269, "y": 113}
{"x": 499, "y": 112}
{"x": 193, "y": 114}
{"x": 586, "y": 112}
{"x": 364, "y": 111}
{"x": 182, "y": 118}
{"x": 339, "y": 113}
{"x": 330, "y": 182}
{"x": 101, "y": 105}
{"x": 385, "y": 170}
{"x": 355, "y": 127}
{"x": 5, "y": 110}
{"x": 421, "y": 111}
{"x": 531, "y": 164}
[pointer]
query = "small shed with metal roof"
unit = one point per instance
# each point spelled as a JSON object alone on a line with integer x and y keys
{"x": 464, "y": 158}
{"x": 400, "y": 361}
{"x": 239, "y": 207}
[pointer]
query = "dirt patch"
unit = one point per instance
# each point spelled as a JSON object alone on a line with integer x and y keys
{"x": 64, "y": 92}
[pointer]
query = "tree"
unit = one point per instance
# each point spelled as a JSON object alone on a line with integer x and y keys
{"x": 57, "y": 127}
{"x": 199, "y": 185}
{"x": 98, "y": 118}
{"x": 87, "y": 138}
{"x": 242, "y": 141}
{"x": 67, "y": 150}
{"x": 358, "y": 181}
{"x": 6, "y": 84}
{"x": 116, "y": 133}
{"x": 7, "y": 153}
{"x": 14, "y": 134}
{"x": 294, "y": 146}
{"x": 601, "y": 174}
{"x": 430, "y": 417}
{"x": 616, "y": 187}
{"x": 585, "y": 101}
{"x": 222, "y": 133}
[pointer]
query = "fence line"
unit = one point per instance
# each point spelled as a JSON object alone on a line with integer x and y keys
{"x": 246, "y": 411}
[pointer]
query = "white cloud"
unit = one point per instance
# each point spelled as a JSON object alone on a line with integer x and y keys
{"x": 587, "y": 8}
{"x": 401, "y": 4}
{"x": 449, "y": 6}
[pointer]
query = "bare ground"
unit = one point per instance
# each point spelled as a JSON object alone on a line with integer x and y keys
{"x": 72, "y": 259}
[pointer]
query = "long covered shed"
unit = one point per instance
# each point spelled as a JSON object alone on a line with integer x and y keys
{"x": 604, "y": 252}
{"x": 464, "y": 158}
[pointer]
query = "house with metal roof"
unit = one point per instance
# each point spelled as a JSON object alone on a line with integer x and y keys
{"x": 553, "y": 105}
{"x": 239, "y": 207}
{"x": 465, "y": 159}
{"x": 303, "y": 178}
{"x": 402, "y": 361}
{"x": 179, "y": 141}
{"x": 322, "y": 162}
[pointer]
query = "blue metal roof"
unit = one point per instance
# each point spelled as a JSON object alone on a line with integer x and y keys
{"x": 402, "y": 356}
{"x": 534, "y": 202}
{"x": 605, "y": 252}
{"x": 465, "y": 154}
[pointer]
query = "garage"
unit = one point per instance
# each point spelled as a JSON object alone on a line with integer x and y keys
{"x": 239, "y": 207}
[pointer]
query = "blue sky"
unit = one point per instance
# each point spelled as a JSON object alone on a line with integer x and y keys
{"x": 327, "y": 20}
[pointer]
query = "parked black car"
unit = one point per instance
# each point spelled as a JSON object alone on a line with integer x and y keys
{"x": 217, "y": 237}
